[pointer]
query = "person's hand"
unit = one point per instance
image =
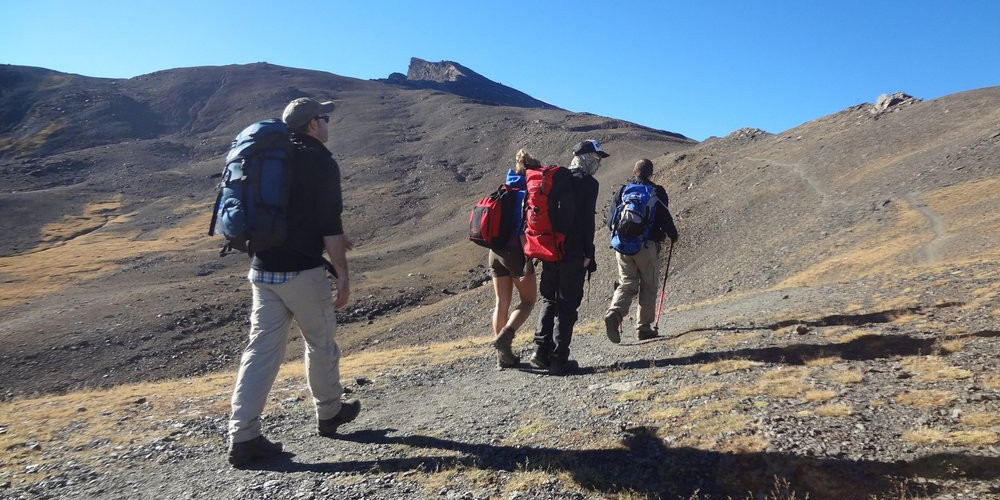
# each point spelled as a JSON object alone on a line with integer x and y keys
{"x": 590, "y": 265}
{"x": 343, "y": 294}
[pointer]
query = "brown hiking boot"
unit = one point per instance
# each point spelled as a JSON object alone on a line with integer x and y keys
{"x": 647, "y": 333}
{"x": 258, "y": 448}
{"x": 349, "y": 410}
{"x": 505, "y": 354}
{"x": 613, "y": 326}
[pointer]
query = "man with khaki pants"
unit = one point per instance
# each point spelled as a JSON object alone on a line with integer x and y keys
{"x": 289, "y": 282}
{"x": 638, "y": 272}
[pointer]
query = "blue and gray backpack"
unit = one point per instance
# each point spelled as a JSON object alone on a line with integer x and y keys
{"x": 251, "y": 208}
{"x": 633, "y": 218}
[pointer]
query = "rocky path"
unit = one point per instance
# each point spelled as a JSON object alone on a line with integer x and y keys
{"x": 801, "y": 390}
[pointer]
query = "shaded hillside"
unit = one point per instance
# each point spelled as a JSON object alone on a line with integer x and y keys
{"x": 106, "y": 247}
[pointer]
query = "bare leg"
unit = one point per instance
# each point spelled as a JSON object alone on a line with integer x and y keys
{"x": 527, "y": 292}
{"x": 503, "y": 288}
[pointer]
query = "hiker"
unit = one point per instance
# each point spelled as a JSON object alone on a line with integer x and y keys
{"x": 510, "y": 269}
{"x": 639, "y": 257}
{"x": 561, "y": 282}
{"x": 289, "y": 282}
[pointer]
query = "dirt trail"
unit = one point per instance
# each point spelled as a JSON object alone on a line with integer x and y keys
{"x": 818, "y": 187}
{"x": 932, "y": 250}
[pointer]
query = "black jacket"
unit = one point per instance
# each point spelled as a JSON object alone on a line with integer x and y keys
{"x": 663, "y": 222}
{"x": 314, "y": 209}
{"x": 580, "y": 236}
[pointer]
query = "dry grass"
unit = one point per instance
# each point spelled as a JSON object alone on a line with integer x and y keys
{"x": 528, "y": 429}
{"x": 662, "y": 414}
{"x": 50, "y": 268}
{"x": 743, "y": 444}
{"x": 973, "y": 438}
{"x": 924, "y": 436}
{"x": 833, "y": 410}
{"x": 846, "y": 377}
{"x": 637, "y": 395}
{"x": 992, "y": 382}
{"x": 930, "y": 398}
{"x": 981, "y": 419}
{"x": 951, "y": 346}
{"x": 718, "y": 424}
{"x": 32, "y": 143}
{"x": 601, "y": 412}
{"x": 687, "y": 392}
{"x": 694, "y": 345}
{"x": 820, "y": 395}
{"x": 733, "y": 339}
{"x": 933, "y": 369}
{"x": 855, "y": 335}
{"x": 785, "y": 382}
{"x": 727, "y": 366}
{"x": 713, "y": 408}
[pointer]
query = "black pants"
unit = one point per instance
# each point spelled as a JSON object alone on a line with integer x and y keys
{"x": 561, "y": 287}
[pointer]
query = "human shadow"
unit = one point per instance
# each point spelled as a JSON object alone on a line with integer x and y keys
{"x": 867, "y": 347}
{"x": 644, "y": 464}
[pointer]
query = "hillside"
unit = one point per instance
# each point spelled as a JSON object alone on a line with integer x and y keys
{"x": 830, "y": 327}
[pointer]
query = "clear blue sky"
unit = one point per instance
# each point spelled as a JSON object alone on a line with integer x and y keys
{"x": 699, "y": 68}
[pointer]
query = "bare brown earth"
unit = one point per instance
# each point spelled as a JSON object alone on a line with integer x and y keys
{"x": 830, "y": 329}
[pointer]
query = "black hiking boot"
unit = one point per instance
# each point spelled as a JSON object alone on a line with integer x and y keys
{"x": 349, "y": 410}
{"x": 258, "y": 448}
{"x": 647, "y": 333}
{"x": 560, "y": 367}
{"x": 613, "y": 326}
{"x": 505, "y": 355}
{"x": 540, "y": 358}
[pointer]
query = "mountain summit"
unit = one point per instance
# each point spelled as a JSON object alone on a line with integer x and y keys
{"x": 449, "y": 76}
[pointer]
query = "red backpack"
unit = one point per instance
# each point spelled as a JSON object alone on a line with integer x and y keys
{"x": 543, "y": 240}
{"x": 491, "y": 222}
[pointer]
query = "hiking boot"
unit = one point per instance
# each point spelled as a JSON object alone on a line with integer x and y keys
{"x": 349, "y": 410}
{"x": 540, "y": 358}
{"x": 613, "y": 326}
{"x": 558, "y": 367}
{"x": 258, "y": 448}
{"x": 647, "y": 333}
{"x": 505, "y": 355}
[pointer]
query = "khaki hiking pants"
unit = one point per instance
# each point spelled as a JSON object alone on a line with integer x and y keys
{"x": 638, "y": 274}
{"x": 308, "y": 299}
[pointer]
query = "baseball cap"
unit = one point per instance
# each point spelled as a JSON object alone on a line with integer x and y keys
{"x": 589, "y": 146}
{"x": 301, "y": 110}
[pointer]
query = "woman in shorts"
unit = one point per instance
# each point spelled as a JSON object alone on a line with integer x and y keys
{"x": 511, "y": 270}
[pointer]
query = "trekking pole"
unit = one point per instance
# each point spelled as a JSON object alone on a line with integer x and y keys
{"x": 663, "y": 288}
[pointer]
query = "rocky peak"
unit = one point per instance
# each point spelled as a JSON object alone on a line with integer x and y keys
{"x": 441, "y": 72}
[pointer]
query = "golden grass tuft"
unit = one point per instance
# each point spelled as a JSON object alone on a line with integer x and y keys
{"x": 820, "y": 395}
{"x": 714, "y": 407}
{"x": 785, "y": 382}
{"x": 992, "y": 382}
{"x": 601, "y": 412}
{"x": 925, "y": 436}
{"x": 662, "y": 414}
{"x": 952, "y": 346}
{"x": 743, "y": 444}
{"x": 719, "y": 424}
{"x": 727, "y": 366}
{"x": 933, "y": 369}
{"x": 973, "y": 438}
{"x": 694, "y": 345}
{"x": 925, "y": 398}
{"x": 855, "y": 335}
{"x": 846, "y": 377}
{"x": 636, "y": 395}
{"x": 527, "y": 430}
{"x": 735, "y": 339}
{"x": 524, "y": 480}
{"x": 833, "y": 410}
{"x": 981, "y": 419}
{"x": 687, "y": 392}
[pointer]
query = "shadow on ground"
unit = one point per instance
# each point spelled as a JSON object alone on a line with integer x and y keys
{"x": 645, "y": 465}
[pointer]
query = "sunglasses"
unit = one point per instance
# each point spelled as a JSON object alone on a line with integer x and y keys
{"x": 325, "y": 118}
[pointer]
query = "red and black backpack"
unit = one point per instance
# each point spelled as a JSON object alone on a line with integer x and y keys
{"x": 543, "y": 235}
{"x": 491, "y": 222}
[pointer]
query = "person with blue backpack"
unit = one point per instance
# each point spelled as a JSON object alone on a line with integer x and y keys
{"x": 639, "y": 221}
{"x": 510, "y": 269}
{"x": 288, "y": 271}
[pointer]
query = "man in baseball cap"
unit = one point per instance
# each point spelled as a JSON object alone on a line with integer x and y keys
{"x": 289, "y": 281}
